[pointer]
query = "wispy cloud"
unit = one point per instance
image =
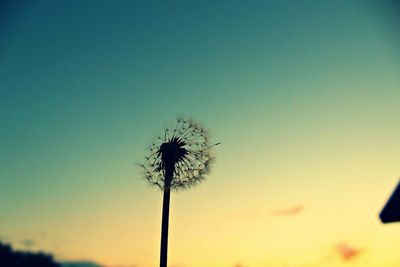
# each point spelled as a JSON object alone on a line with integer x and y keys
{"x": 288, "y": 211}
{"x": 347, "y": 252}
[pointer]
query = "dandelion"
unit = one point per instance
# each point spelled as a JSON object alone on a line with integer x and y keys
{"x": 179, "y": 159}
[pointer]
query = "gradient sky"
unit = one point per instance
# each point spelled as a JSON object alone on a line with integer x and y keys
{"x": 303, "y": 95}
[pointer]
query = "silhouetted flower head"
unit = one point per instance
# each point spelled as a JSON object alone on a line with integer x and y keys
{"x": 180, "y": 155}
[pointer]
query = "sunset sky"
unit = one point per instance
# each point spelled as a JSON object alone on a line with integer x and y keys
{"x": 304, "y": 97}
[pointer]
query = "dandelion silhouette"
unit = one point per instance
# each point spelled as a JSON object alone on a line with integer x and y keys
{"x": 179, "y": 159}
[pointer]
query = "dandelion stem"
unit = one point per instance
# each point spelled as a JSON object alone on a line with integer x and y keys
{"x": 165, "y": 217}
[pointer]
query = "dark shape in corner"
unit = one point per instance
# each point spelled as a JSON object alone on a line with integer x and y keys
{"x": 12, "y": 258}
{"x": 391, "y": 211}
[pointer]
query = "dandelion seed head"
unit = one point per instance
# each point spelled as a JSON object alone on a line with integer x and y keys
{"x": 183, "y": 151}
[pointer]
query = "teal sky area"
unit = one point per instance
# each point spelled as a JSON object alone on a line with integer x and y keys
{"x": 303, "y": 96}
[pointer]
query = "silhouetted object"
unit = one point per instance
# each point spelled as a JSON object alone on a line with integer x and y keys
{"x": 11, "y": 258}
{"x": 80, "y": 264}
{"x": 178, "y": 160}
{"x": 391, "y": 211}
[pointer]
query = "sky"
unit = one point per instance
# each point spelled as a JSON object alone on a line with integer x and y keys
{"x": 303, "y": 96}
